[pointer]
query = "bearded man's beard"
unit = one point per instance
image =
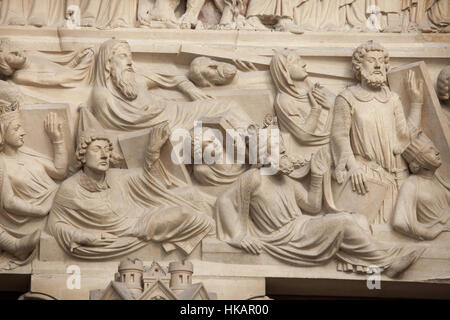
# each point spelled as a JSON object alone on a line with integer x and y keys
{"x": 126, "y": 83}
{"x": 375, "y": 81}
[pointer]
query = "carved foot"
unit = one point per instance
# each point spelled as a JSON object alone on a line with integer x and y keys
{"x": 17, "y": 21}
{"x": 392, "y": 29}
{"x": 88, "y": 22}
{"x": 37, "y": 22}
{"x": 401, "y": 264}
{"x": 26, "y": 245}
{"x": 256, "y": 24}
{"x": 119, "y": 23}
{"x": 287, "y": 25}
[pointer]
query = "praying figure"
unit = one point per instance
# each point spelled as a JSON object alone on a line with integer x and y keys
{"x": 102, "y": 213}
{"x": 423, "y": 205}
{"x": 304, "y": 110}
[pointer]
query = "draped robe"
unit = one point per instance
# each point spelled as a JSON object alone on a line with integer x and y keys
{"x": 423, "y": 207}
{"x": 291, "y": 236}
{"x": 118, "y": 113}
{"x": 137, "y": 206}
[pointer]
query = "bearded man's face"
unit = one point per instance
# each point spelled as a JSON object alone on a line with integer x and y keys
{"x": 374, "y": 69}
{"x": 122, "y": 73}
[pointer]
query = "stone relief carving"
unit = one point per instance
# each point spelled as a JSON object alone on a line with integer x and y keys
{"x": 423, "y": 205}
{"x": 248, "y": 219}
{"x": 206, "y": 72}
{"x": 27, "y": 182}
{"x": 38, "y": 13}
{"x": 297, "y": 16}
{"x": 304, "y": 109}
{"x": 45, "y": 70}
{"x": 443, "y": 90}
{"x": 120, "y": 101}
{"x": 134, "y": 281}
{"x": 370, "y": 131}
{"x": 349, "y": 161}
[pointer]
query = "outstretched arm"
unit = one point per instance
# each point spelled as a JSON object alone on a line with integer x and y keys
{"x": 159, "y": 135}
{"x": 58, "y": 168}
{"x": 416, "y": 94}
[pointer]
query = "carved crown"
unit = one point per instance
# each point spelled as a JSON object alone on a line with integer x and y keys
{"x": 9, "y": 110}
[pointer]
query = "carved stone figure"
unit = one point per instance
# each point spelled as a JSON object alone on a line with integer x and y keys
{"x": 370, "y": 130}
{"x": 438, "y": 14}
{"x": 304, "y": 110}
{"x": 206, "y": 72}
{"x": 42, "y": 70}
{"x": 38, "y": 13}
{"x": 279, "y": 13}
{"x": 353, "y": 15}
{"x": 414, "y": 15}
{"x": 443, "y": 91}
{"x": 317, "y": 15}
{"x": 423, "y": 205}
{"x": 26, "y": 181}
{"x": 102, "y": 213}
{"x": 107, "y": 14}
{"x": 160, "y": 11}
{"x": 233, "y": 14}
{"x": 163, "y": 12}
{"x": 121, "y": 102}
{"x": 391, "y": 15}
{"x": 248, "y": 219}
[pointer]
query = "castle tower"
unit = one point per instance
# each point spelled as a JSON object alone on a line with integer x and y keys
{"x": 130, "y": 273}
{"x": 181, "y": 275}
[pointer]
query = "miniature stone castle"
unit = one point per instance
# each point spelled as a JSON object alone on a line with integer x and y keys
{"x": 134, "y": 281}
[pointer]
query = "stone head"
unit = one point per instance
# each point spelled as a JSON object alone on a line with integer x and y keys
{"x": 371, "y": 64}
{"x": 206, "y": 72}
{"x": 94, "y": 152}
{"x": 122, "y": 72}
{"x": 11, "y": 59}
{"x": 422, "y": 154}
{"x": 12, "y": 132}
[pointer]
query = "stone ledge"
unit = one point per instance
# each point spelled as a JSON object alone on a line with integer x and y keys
{"x": 171, "y": 41}
{"x": 50, "y": 251}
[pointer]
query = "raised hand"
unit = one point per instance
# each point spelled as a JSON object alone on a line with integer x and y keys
{"x": 325, "y": 98}
{"x": 414, "y": 88}
{"x": 53, "y": 127}
{"x": 314, "y": 103}
{"x": 159, "y": 136}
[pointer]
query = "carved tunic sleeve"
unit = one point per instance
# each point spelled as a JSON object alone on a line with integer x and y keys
{"x": 402, "y": 126}
{"x": 310, "y": 201}
{"x": 340, "y": 136}
{"x": 58, "y": 168}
